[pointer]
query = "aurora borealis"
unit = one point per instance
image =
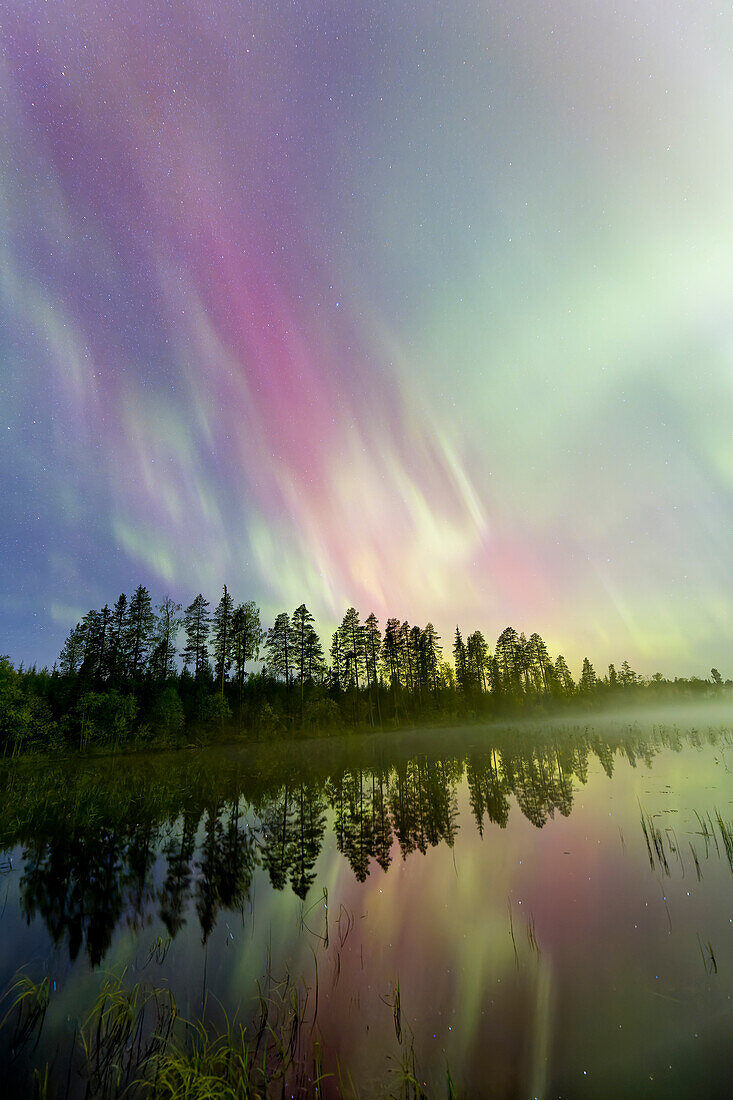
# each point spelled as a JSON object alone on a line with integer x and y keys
{"x": 422, "y": 308}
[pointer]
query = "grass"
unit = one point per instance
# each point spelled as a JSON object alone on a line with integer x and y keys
{"x": 135, "y": 1044}
{"x": 28, "y": 1006}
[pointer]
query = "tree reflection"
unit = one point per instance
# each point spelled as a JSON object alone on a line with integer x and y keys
{"x": 107, "y": 847}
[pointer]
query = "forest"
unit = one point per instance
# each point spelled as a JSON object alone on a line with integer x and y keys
{"x": 138, "y": 674}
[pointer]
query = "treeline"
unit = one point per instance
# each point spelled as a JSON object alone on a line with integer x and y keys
{"x": 137, "y": 673}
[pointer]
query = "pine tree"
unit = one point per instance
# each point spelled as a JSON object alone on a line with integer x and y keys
{"x": 72, "y": 654}
{"x": 372, "y": 648}
{"x": 279, "y": 647}
{"x": 538, "y": 662}
{"x": 302, "y": 630}
{"x": 418, "y": 680}
{"x": 91, "y": 629}
{"x": 509, "y": 660}
{"x": 391, "y": 655}
{"x": 247, "y": 637}
{"x": 477, "y": 657}
{"x": 352, "y": 643}
{"x": 139, "y": 631}
{"x": 588, "y": 678}
{"x": 196, "y": 623}
{"x": 627, "y": 676}
{"x": 338, "y": 666}
{"x": 461, "y": 662}
{"x": 562, "y": 672}
{"x": 315, "y": 660}
{"x": 168, "y": 623}
{"x": 118, "y": 640}
{"x": 430, "y": 657}
{"x": 406, "y": 657}
{"x": 223, "y": 641}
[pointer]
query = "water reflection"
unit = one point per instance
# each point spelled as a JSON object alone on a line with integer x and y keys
{"x": 105, "y": 844}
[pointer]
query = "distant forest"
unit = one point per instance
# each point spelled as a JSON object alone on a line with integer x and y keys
{"x": 121, "y": 678}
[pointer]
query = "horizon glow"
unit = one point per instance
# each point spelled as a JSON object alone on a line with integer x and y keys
{"x": 421, "y": 310}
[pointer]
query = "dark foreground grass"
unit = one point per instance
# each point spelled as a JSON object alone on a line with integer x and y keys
{"x": 136, "y": 1044}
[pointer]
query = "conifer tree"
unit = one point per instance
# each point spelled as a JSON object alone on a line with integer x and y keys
{"x": 477, "y": 656}
{"x": 564, "y": 676}
{"x": 315, "y": 660}
{"x": 118, "y": 651}
{"x": 72, "y": 654}
{"x": 627, "y": 676}
{"x": 352, "y": 644}
{"x": 406, "y": 656}
{"x": 430, "y": 657}
{"x": 461, "y": 662}
{"x": 91, "y": 628}
{"x": 338, "y": 674}
{"x": 279, "y": 647}
{"x": 372, "y": 648}
{"x": 223, "y": 641}
{"x": 509, "y": 660}
{"x": 418, "y": 681}
{"x": 169, "y": 622}
{"x": 247, "y": 637}
{"x": 302, "y": 630}
{"x": 196, "y": 623}
{"x": 391, "y": 655}
{"x": 139, "y": 631}
{"x": 588, "y": 678}
{"x": 538, "y": 662}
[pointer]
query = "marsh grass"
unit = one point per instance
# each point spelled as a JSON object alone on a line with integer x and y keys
{"x": 127, "y": 1028}
{"x": 708, "y": 956}
{"x": 29, "y": 1002}
{"x": 725, "y": 828}
{"x": 136, "y": 1044}
{"x": 654, "y": 838}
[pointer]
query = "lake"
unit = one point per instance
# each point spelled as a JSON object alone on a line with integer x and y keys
{"x": 544, "y": 909}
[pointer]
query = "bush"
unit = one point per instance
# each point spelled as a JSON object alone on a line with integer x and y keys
{"x": 166, "y": 714}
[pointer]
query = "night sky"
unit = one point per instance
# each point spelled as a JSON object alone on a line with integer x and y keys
{"x": 422, "y": 307}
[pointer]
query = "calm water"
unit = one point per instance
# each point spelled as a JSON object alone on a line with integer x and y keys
{"x": 554, "y": 902}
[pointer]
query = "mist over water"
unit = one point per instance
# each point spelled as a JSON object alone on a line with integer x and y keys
{"x": 544, "y": 908}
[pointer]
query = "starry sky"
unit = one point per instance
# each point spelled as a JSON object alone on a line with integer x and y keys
{"x": 421, "y": 307}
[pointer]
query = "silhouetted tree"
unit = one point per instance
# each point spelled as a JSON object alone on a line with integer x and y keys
{"x": 588, "y": 679}
{"x": 223, "y": 642}
{"x": 279, "y": 645}
{"x": 139, "y": 630}
{"x": 169, "y": 622}
{"x": 196, "y": 623}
